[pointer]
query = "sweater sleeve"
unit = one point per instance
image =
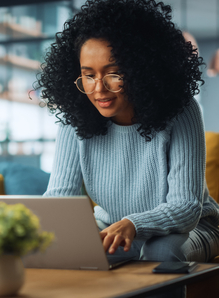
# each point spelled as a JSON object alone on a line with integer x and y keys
{"x": 186, "y": 159}
{"x": 66, "y": 176}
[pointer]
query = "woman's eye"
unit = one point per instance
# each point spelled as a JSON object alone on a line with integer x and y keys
{"x": 89, "y": 75}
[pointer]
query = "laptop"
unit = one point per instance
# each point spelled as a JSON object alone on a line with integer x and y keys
{"x": 77, "y": 242}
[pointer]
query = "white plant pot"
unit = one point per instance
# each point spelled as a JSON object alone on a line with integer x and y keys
{"x": 11, "y": 274}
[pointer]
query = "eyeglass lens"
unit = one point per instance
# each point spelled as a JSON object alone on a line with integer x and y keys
{"x": 87, "y": 84}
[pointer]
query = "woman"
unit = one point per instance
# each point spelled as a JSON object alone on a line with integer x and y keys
{"x": 122, "y": 79}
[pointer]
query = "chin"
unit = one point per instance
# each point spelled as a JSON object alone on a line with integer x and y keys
{"x": 107, "y": 114}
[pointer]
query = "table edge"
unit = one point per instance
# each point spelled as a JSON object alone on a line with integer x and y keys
{"x": 186, "y": 279}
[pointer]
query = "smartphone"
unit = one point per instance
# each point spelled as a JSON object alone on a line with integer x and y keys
{"x": 175, "y": 267}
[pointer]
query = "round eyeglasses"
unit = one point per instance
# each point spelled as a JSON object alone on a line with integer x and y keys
{"x": 111, "y": 82}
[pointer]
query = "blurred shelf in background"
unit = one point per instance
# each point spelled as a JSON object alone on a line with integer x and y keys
{"x": 21, "y": 62}
{"x": 27, "y": 29}
{"x": 19, "y": 31}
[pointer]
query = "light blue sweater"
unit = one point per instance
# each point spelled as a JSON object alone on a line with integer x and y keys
{"x": 158, "y": 185}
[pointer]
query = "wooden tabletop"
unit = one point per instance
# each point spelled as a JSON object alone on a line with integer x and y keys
{"x": 133, "y": 278}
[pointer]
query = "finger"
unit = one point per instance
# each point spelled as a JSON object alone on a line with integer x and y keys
{"x": 103, "y": 235}
{"x": 116, "y": 243}
{"x": 107, "y": 241}
{"x": 127, "y": 245}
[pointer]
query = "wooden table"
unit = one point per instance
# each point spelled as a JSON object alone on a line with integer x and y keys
{"x": 130, "y": 280}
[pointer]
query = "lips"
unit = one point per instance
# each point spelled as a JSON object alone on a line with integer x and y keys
{"x": 105, "y": 102}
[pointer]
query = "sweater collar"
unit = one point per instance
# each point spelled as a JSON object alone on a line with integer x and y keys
{"x": 123, "y": 128}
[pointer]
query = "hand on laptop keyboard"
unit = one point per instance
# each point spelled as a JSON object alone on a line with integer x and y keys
{"x": 118, "y": 234}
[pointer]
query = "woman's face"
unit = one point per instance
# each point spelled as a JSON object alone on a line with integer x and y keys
{"x": 96, "y": 61}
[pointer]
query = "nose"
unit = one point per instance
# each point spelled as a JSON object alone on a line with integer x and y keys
{"x": 99, "y": 86}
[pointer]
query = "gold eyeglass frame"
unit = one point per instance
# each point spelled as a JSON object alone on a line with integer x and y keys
{"x": 108, "y": 75}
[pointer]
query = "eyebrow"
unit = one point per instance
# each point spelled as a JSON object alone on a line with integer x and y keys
{"x": 105, "y": 66}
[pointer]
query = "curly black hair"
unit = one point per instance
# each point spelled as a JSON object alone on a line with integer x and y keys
{"x": 161, "y": 71}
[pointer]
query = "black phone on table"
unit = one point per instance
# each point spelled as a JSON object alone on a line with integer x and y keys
{"x": 175, "y": 267}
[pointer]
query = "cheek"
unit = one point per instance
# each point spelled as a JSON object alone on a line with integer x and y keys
{"x": 122, "y": 99}
{"x": 90, "y": 97}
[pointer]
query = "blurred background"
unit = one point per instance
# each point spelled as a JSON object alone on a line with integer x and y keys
{"x": 27, "y": 28}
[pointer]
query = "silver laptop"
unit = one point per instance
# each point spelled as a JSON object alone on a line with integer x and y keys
{"x": 77, "y": 242}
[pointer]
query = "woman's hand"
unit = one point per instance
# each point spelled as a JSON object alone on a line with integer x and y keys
{"x": 118, "y": 234}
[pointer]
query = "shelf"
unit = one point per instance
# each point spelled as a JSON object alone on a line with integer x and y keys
{"x": 18, "y": 31}
{"x": 18, "y": 97}
{"x": 20, "y": 62}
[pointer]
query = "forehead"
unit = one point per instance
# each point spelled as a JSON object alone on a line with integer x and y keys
{"x": 95, "y": 51}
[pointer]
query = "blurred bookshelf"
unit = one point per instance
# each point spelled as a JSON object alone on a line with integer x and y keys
{"x": 20, "y": 62}
{"x": 19, "y": 31}
{"x": 27, "y": 28}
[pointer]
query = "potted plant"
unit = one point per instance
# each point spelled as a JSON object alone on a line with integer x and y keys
{"x": 20, "y": 234}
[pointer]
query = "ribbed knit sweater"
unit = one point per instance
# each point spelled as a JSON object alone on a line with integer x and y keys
{"x": 158, "y": 185}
